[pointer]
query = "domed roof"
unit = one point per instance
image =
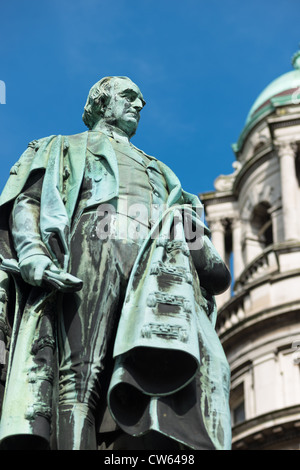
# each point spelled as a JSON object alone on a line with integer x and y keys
{"x": 282, "y": 91}
{"x": 286, "y": 88}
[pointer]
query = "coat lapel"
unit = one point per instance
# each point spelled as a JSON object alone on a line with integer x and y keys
{"x": 173, "y": 184}
{"x": 99, "y": 144}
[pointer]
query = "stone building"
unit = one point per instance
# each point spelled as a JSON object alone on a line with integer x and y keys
{"x": 254, "y": 217}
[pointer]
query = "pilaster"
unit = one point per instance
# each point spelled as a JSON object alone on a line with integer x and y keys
{"x": 286, "y": 152}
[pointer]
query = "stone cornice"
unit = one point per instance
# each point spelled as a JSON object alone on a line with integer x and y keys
{"x": 288, "y": 120}
{"x": 255, "y": 322}
{"x": 215, "y": 197}
{"x": 250, "y": 165}
{"x": 267, "y": 429}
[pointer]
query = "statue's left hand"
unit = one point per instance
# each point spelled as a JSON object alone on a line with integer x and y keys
{"x": 212, "y": 271}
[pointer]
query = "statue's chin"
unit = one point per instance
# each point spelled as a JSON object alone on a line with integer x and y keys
{"x": 130, "y": 127}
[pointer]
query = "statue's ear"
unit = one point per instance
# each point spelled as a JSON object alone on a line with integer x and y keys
{"x": 103, "y": 102}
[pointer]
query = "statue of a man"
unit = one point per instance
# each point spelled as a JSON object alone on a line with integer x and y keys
{"x": 107, "y": 304}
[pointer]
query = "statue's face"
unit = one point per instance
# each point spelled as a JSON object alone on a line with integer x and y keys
{"x": 123, "y": 110}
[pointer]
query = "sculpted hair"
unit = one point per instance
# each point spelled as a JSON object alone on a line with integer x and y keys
{"x": 97, "y": 100}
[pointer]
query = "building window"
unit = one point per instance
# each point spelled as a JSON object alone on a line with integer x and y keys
{"x": 228, "y": 242}
{"x": 261, "y": 224}
{"x": 237, "y": 404}
{"x": 239, "y": 413}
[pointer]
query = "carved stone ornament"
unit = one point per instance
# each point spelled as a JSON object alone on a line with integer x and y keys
{"x": 225, "y": 182}
{"x": 286, "y": 148}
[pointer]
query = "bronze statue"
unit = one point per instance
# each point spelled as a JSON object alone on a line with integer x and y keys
{"x": 108, "y": 279}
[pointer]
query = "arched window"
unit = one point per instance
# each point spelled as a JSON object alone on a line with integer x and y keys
{"x": 258, "y": 232}
{"x": 261, "y": 224}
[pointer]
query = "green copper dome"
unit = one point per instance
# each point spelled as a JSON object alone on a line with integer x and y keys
{"x": 286, "y": 88}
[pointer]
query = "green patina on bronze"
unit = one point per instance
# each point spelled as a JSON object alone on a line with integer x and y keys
{"x": 135, "y": 318}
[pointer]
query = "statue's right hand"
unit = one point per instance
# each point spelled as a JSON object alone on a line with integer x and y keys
{"x": 33, "y": 267}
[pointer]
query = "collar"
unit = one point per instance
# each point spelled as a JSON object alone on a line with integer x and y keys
{"x": 112, "y": 131}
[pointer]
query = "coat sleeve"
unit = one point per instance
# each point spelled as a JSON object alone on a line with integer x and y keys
{"x": 25, "y": 220}
{"x": 213, "y": 273}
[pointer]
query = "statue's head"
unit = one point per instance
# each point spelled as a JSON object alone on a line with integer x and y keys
{"x": 116, "y": 101}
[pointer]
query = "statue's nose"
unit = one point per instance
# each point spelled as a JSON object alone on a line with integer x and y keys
{"x": 138, "y": 104}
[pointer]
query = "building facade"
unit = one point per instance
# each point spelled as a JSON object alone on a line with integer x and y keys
{"x": 254, "y": 218}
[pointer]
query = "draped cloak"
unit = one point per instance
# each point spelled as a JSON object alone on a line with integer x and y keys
{"x": 168, "y": 357}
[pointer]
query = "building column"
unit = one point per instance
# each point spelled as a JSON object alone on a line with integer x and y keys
{"x": 218, "y": 237}
{"x": 277, "y": 226}
{"x": 238, "y": 262}
{"x": 289, "y": 187}
{"x": 217, "y": 229}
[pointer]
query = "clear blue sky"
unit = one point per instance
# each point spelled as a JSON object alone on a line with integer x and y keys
{"x": 200, "y": 66}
